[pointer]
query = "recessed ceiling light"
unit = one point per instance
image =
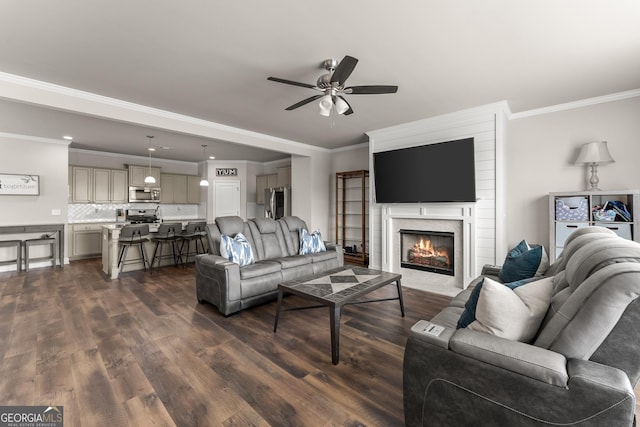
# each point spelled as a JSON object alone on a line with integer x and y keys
{"x": 151, "y": 149}
{"x": 67, "y": 137}
{"x": 164, "y": 147}
{"x": 212, "y": 157}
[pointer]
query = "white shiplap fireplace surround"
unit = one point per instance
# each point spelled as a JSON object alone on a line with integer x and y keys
{"x": 478, "y": 227}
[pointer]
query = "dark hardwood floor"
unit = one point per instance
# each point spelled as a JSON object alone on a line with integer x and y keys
{"x": 142, "y": 351}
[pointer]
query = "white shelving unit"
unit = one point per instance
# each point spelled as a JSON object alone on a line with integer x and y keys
{"x": 563, "y": 220}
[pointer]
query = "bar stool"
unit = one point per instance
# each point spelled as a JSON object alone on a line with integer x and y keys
{"x": 193, "y": 232}
{"x": 168, "y": 233}
{"x": 44, "y": 240}
{"x": 133, "y": 235}
{"x": 18, "y": 246}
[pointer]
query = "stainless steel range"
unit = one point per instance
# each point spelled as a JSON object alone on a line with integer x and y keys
{"x": 142, "y": 216}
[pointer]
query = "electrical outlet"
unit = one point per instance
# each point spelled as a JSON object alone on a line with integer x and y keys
{"x": 56, "y": 212}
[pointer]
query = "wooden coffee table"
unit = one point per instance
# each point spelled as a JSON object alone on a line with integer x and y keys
{"x": 335, "y": 289}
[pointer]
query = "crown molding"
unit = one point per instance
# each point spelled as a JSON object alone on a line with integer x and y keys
{"x": 576, "y": 104}
{"x": 42, "y": 91}
{"x": 34, "y": 138}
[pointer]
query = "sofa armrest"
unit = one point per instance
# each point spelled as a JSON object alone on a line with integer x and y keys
{"x": 534, "y": 362}
{"x": 490, "y": 270}
{"x": 432, "y": 333}
{"x": 218, "y": 282}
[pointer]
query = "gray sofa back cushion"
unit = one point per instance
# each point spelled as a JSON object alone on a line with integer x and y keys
{"x": 290, "y": 226}
{"x": 230, "y": 226}
{"x": 268, "y": 238}
{"x": 603, "y": 283}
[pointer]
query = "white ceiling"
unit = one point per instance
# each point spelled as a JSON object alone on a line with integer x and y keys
{"x": 210, "y": 60}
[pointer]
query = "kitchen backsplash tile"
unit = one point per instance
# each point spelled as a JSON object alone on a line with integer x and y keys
{"x": 105, "y": 212}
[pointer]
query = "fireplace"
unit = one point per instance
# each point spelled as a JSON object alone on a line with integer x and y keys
{"x": 431, "y": 251}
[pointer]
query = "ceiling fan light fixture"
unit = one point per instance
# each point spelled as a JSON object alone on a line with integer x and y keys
{"x": 341, "y": 106}
{"x": 326, "y": 102}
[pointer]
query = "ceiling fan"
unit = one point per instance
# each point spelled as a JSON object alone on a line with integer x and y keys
{"x": 332, "y": 87}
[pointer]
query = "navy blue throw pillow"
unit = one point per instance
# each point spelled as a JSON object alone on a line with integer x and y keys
{"x": 523, "y": 262}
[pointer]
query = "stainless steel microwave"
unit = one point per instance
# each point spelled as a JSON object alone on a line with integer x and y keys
{"x": 144, "y": 194}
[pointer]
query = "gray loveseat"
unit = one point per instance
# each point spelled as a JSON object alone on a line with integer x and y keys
{"x": 579, "y": 370}
{"x": 275, "y": 245}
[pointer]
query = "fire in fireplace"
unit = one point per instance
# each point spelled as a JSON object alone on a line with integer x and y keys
{"x": 427, "y": 250}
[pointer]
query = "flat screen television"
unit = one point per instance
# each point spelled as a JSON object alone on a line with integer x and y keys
{"x": 441, "y": 172}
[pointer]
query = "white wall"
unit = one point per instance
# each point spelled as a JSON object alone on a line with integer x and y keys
{"x": 35, "y": 156}
{"x": 541, "y": 150}
{"x": 47, "y": 158}
{"x": 118, "y": 161}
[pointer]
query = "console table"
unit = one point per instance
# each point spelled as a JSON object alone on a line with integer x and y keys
{"x": 57, "y": 229}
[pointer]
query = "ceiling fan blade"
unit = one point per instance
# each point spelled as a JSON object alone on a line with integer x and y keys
{"x": 304, "y": 102}
{"x": 290, "y": 82}
{"x": 350, "y": 110}
{"x": 344, "y": 70}
{"x": 370, "y": 90}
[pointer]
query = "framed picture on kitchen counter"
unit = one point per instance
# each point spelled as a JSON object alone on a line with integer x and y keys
{"x": 19, "y": 185}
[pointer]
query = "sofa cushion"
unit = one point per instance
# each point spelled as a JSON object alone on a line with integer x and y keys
{"x": 469, "y": 313}
{"x": 236, "y": 249}
{"x": 524, "y": 261}
{"x": 311, "y": 243}
{"x": 513, "y": 314}
{"x": 290, "y": 226}
{"x": 293, "y": 261}
{"x": 267, "y": 238}
{"x": 261, "y": 268}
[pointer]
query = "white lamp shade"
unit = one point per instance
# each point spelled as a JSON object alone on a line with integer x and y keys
{"x": 595, "y": 152}
{"x": 325, "y": 113}
{"x": 149, "y": 180}
{"x": 204, "y": 183}
{"x": 325, "y": 104}
{"x": 341, "y": 106}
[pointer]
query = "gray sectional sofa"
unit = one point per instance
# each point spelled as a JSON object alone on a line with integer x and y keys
{"x": 580, "y": 369}
{"x": 275, "y": 245}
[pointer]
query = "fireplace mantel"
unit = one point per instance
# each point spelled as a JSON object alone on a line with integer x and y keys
{"x": 451, "y": 217}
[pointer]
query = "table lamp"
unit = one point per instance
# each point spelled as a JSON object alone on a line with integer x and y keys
{"x": 594, "y": 154}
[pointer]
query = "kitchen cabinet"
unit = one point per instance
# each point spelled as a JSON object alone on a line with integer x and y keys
{"x": 110, "y": 186}
{"x": 137, "y": 174}
{"x": 86, "y": 241}
{"x": 569, "y": 211}
{"x": 262, "y": 183}
{"x": 81, "y": 184}
{"x": 177, "y": 188}
{"x": 193, "y": 189}
{"x": 96, "y": 185}
{"x": 283, "y": 176}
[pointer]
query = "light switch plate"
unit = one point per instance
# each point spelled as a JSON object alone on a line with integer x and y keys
{"x": 55, "y": 212}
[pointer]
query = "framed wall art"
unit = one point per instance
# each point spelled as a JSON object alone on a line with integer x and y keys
{"x": 19, "y": 185}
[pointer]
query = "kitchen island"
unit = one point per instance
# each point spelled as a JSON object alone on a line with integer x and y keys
{"x": 111, "y": 249}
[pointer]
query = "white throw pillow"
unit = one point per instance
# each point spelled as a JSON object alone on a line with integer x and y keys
{"x": 513, "y": 314}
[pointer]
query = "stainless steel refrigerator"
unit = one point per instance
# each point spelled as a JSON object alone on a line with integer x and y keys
{"x": 277, "y": 202}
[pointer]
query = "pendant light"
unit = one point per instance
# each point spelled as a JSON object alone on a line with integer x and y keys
{"x": 203, "y": 181}
{"x": 150, "y": 179}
